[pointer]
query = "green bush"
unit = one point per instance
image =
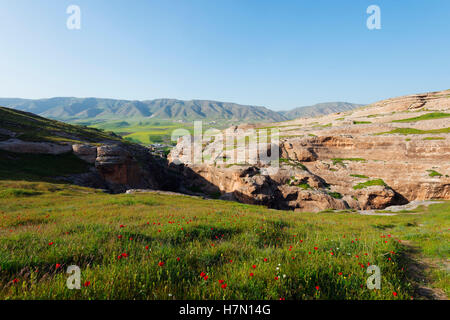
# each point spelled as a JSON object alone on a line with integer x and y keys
{"x": 376, "y": 182}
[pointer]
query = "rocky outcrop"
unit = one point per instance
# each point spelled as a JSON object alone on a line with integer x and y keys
{"x": 299, "y": 150}
{"x": 114, "y": 167}
{"x": 85, "y": 152}
{"x": 376, "y": 197}
{"x": 368, "y": 158}
{"x": 119, "y": 169}
{"x": 20, "y": 146}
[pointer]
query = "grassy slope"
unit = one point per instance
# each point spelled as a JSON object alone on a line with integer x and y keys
{"x": 222, "y": 239}
{"x": 31, "y": 127}
{"x": 406, "y": 131}
{"x": 428, "y": 116}
{"x": 38, "y": 167}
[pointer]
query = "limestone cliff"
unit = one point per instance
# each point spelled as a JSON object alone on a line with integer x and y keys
{"x": 387, "y": 153}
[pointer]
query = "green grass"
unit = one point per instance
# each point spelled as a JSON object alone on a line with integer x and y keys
{"x": 303, "y": 186}
{"x": 428, "y": 116}
{"x": 359, "y": 176}
{"x": 68, "y": 225}
{"x": 38, "y": 166}
{"x": 15, "y": 193}
{"x": 375, "y": 182}
{"x": 405, "y": 131}
{"x": 323, "y": 125}
{"x": 361, "y": 122}
{"x": 150, "y": 131}
{"x": 434, "y": 173}
{"x": 292, "y": 163}
{"x": 341, "y": 160}
{"x": 434, "y": 138}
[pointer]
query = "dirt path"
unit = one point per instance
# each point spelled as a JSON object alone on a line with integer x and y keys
{"x": 418, "y": 271}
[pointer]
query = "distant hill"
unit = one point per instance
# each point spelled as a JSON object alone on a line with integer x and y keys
{"x": 71, "y": 109}
{"x": 319, "y": 109}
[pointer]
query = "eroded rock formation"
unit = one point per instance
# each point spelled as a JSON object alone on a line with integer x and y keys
{"x": 389, "y": 153}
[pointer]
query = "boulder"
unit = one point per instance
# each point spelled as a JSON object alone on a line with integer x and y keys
{"x": 375, "y": 197}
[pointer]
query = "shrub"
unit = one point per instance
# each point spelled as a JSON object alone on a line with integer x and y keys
{"x": 434, "y": 173}
{"x": 335, "y": 195}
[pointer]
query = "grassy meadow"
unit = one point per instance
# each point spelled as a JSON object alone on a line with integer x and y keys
{"x": 151, "y": 246}
{"x": 148, "y": 131}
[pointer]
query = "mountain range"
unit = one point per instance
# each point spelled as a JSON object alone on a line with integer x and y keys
{"x": 71, "y": 109}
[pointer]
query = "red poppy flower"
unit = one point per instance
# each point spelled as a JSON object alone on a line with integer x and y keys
{"x": 87, "y": 284}
{"x": 202, "y": 274}
{"x": 205, "y": 277}
{"x": 224, "y": 286}
{"x": 394, "y": 293}
{"x": 57, "y": 266}
{"x": 120, "y": 237}
{"x": 340, "y": 273}
{"x": 160, "y": 263}
{"x": 15, "y": 280}
{"x": 276, "y": 278}
{"x": 50, "y": 243}
{"x": 125, "y": 255}
{"x": 121, "y": 226}
{"x": 146, "y": 247}
{"x": 254, "y": 266}
{"x": 221, "y": 281}
{"x": 265, "y": 259}
{"x": 317, "y": 288}
{"x": 251, "y": 274}
{"x": 315, "y": 248}
{"x": 178, "y": 259}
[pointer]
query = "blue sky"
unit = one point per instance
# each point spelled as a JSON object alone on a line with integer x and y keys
{"x": 280, "y": 54}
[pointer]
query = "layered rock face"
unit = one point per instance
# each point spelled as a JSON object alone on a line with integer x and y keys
{"x": 19, "y": 146}
{"x": 388, "y": 153}
{"x": 123, "y": 167}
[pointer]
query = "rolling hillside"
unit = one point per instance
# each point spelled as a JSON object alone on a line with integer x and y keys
{"x": 71, "y": 109}
{"x": 319, "y": 109}
{"x": 30, "y": 127}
